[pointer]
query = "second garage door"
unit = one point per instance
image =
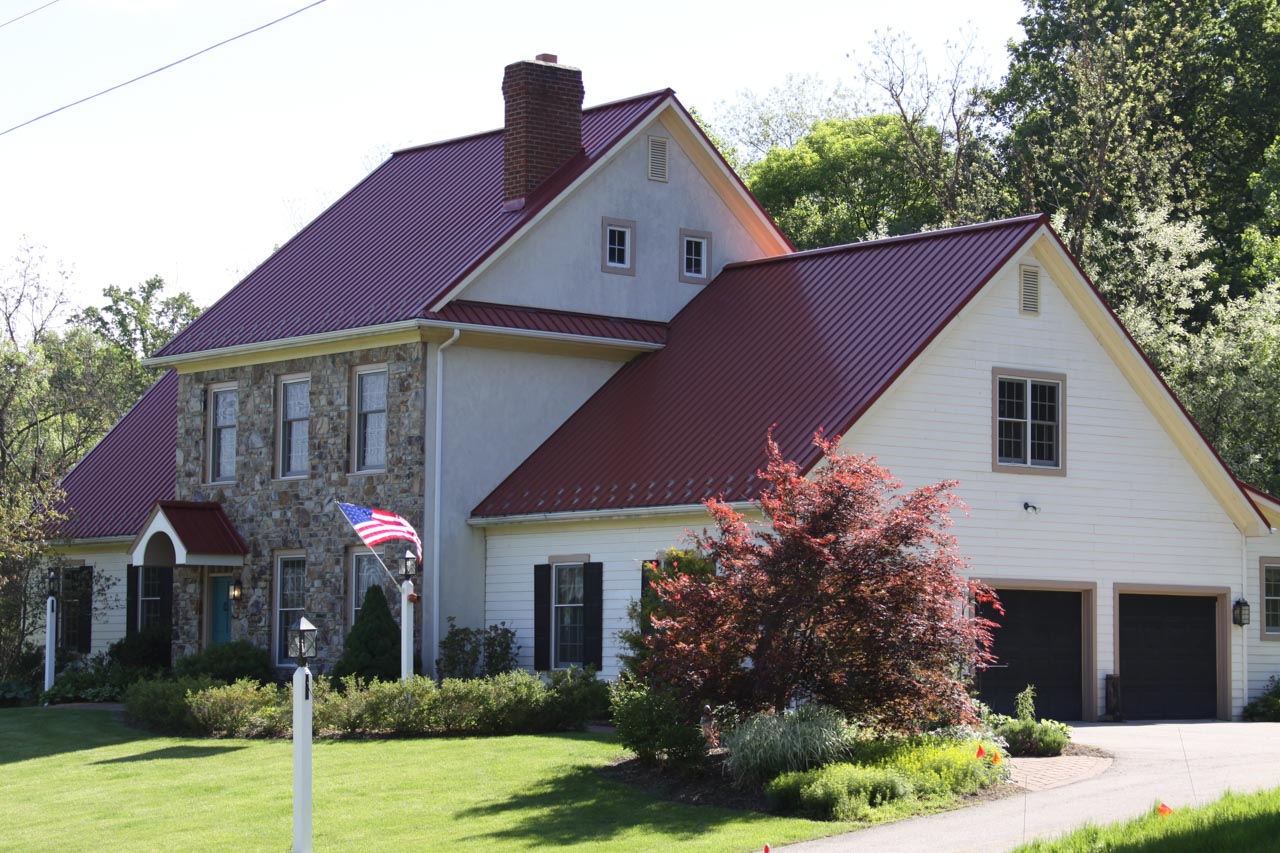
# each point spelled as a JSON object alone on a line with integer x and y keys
{"x": 1168, "y": 657}
{"x": 1038, "y": 642}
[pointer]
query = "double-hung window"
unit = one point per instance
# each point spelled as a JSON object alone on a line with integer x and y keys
{"x": 295, "y": 420}
{"x": 150, "y": 595}
{"x": 1271, "y": 598}
{"x": 223, "y": 410}
{"x": 365, "y": 573}
{"x": 695, "y": 256}
{"x": 617, "y": 249}
{"x": 1028, "y": 422}
{"x": 291, "y": 585}
{"x": 568, "y": 621}
{"x": 371, "y": 420}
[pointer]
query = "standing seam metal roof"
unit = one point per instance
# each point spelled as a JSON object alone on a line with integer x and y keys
{"x": 397, "y": 241}
{"x": 800, "y": 342}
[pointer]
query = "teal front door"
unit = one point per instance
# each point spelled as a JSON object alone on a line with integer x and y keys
{"x": 220, "y": 609}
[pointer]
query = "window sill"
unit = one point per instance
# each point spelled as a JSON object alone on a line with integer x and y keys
{"x": 364, "y": 471}
{"x": 1035, "y": 470}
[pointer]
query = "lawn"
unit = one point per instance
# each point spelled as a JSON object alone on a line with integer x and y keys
{"x": 1237, "y": 823}
{"x": 81, "y": 780}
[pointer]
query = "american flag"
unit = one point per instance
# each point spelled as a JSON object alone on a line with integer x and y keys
{"x": 375, "y": 526}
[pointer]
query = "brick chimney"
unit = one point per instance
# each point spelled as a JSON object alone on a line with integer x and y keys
{"x": 543, "y": 124}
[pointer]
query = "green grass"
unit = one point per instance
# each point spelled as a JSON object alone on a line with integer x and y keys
{"x": 1237, "y": 823}
{"x": 80, "y": 780}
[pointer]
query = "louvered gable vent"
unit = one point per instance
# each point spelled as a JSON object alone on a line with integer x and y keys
{"x": 658, "y": 158}
{"x": 1029, "y": 290}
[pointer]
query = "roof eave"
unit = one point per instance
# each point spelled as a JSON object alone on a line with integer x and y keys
{"x": 566, "y": 516}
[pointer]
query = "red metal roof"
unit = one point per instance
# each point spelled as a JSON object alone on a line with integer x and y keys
{"x": 805, "y": 342}
{"x": 115, "y": 485}
{"x": 397, "y": 241}
{"x": 558, "y": 322}
{"x": 203, "y": 527}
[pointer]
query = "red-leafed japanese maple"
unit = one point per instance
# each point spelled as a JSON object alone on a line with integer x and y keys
{"x": 852, "y": 595}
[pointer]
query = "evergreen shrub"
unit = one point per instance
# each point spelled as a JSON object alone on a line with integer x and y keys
{"x": 372, "y": 650}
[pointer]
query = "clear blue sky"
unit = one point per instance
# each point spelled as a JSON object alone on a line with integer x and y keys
{"x": 196, "y": 173}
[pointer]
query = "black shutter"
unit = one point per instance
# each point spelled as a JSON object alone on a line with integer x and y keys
{"x": 542, "y": 617}
{"x": 131, "y": 600}
{"x": 593, "y": 615}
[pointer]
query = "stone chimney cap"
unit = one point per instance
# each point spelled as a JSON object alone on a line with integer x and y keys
{"x": 547, "y": 57}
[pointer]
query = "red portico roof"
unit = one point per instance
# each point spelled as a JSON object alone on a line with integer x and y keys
{"x": 203, "y": 527}
{"x": 800, "y": 342}
{"x": 398, "y": 241}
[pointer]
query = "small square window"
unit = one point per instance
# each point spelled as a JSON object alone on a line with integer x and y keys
{"x": 695, "y": 256}
{"x": 618, "y": 246}
{"x": 1028, "y": 429}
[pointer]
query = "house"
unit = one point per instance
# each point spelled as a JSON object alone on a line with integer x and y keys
{"x": 547, "y": 345}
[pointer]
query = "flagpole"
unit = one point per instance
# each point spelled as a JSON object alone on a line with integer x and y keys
{"x": 390, "y": 576}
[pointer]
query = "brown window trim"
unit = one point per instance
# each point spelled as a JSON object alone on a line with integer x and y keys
{"x": 1060, "y": 470}
{"x": 705, "y": 237}
{"x": 1263, "y": 563}
{"x": 630, "y": 224}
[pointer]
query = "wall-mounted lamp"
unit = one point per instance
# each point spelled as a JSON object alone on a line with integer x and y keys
{"x": 1240, "y": 612}
{"x": 1030, "y": 508}
{"x": 237, "y": 590}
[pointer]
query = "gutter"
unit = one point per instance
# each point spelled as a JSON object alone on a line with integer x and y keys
{"x": 435, "y": 527}
{"x": 601, "y": 514}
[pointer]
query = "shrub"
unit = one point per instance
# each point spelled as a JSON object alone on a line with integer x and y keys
{"x": 1266, "y": 708}
{"x": 98, "y": 679}
{"x": 150, "y": 648}
{"x": 372, "y": 649}
{"x": 837, "y": 791}
{"x": 245, "y": 708}
{"x": 1028, "y": 737}
{"x": 15, "y": 693}
{"x": 475, "y": 652}
{"x": 161, "y": 704}
{"x": 501, "y": 654}
{"x": 400, "y": 707}
{"x": 1024, "y": 704}
{"x": 228, "y": 663}
{"x": 651, "y": 724}
{"x": 575, "y": 696}
{"x": 768, "y": 744}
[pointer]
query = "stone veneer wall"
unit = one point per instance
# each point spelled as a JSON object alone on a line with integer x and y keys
{"x": 278, "y": 516}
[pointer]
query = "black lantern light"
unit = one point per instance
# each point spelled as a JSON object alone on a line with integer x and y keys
{"x": 302, "y": 641}
{"x": 237, "y": 590}
{"x": 408, "y": 565}
{"x": 53, "y": 583}
{"x": 1240, "y": 612}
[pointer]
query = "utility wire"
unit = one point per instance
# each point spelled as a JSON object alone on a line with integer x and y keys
{"x": 24, "y": 14}
{"x": 162, "y": 68}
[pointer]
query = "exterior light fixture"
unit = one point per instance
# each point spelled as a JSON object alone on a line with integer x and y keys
{"x": 408, "y": 565}
{"x": 1240, "y": 612}
{"x": 302, "y": 641}
{"x": 53, "y": 583}
{"x": 237, "y": 590}
{"x": 1030, "y": 508}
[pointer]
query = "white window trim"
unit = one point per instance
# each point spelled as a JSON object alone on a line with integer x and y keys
{"x": 211, "y": 415}
{"x": 1028, "y": 467}
{"x": 356, "y": 434}
{"x": 281, "y": 382}
{"x": 1264, "y": 563}
{"x": 276, "y": 619}
{"x": 555, "y": 624}
{"x": 704, "y": 237}
{"x": 628, "y": 225}
{"x": 142, "y": 590}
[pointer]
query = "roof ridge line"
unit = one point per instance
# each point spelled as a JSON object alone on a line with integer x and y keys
{"x": 901, "y": 238}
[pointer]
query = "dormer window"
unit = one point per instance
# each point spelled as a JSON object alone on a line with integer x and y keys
{"x": 695, "y": 256}
{"x": 618, "y": 246}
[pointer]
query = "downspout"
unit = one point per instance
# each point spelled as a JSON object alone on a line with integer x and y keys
{"x": 435, "y": 503}
{"x": 1244, "y": 630}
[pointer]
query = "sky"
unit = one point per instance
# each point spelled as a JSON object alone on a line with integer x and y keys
{"x": 198, "y": 172}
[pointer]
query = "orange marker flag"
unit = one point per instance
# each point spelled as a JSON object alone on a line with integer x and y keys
{"x": 1164, "y": 811}
{"x": 995, "y": 758}
{"x": 981, "y": 751}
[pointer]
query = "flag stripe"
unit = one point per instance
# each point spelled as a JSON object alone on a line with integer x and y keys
{"x": 375, "y": 526}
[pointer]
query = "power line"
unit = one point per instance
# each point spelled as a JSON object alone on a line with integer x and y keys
{"x": 161, "y": 68}
{"x": 24, "y": 14}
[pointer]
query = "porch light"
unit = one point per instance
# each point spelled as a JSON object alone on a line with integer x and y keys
{"x": 237, "y": 590}
{"x": 408, "y": 565}
{"x": 53, "y": 583}
{"x": 1240, "y": 612}
{"x": 302, "y": 641}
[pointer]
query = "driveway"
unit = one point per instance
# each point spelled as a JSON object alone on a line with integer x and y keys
{"x": 1182, "y": 764}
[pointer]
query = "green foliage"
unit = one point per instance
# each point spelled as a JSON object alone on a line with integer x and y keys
{"x": 473, "y": 652}
{"x": 161, "y": 704}
{"x": 574, "y": 697}
{"x": 149, "y": 648}
{"x": 767, "y": 744}
{"x": 1024, "y": 704}
{"x": 651, "y": 724}
{"x": 1031, "y": 737}
{"x": 838, "y": 791}
{"x": 101, "y": 678}
{"x": 935, "y": 765}
{"x": 846, "y": 180}
{"x": 245, "y": 708}
{"x": 1266, "y": 707}
{"x": 372, "y": 649}
{"x": 15, "y": 693}
{"x": 641, "y": 612}
{"x": 228, "y": 662}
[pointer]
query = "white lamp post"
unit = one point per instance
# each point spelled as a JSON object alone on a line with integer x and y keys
{"x": 302, "y": 645}
{"x": 50, "y": 629}
{"x": 408, "y": 568}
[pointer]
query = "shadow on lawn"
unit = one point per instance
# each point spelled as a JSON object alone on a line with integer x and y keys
{"x": 29, "y": 733}
{"x": 172, "y": 752}
{"x": 579, "y": 807}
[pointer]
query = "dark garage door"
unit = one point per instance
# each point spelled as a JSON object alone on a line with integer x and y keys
{"x": 1038, "y": 642}
{"x": 1168, "y": 659}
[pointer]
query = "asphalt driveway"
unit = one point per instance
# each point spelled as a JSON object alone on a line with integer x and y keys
{"x": 1182, "y": 764}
